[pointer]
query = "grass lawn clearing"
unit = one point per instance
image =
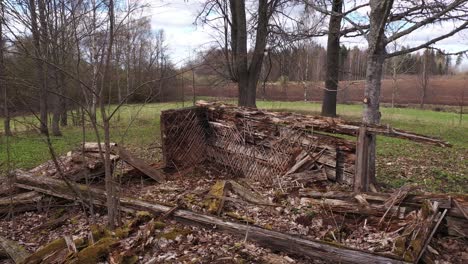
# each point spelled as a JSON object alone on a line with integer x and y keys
{"x": 399, "y": 161}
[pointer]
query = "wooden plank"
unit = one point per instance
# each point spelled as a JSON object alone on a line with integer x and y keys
{"x": 331, "y": 125}
{"x": 141, "y": 165}
{"x": 361, "y": 176}
{"x": 94, "y": 146}
{"x": 14, "y": 251}
{"x": 268, "y": 238}
{"x": 22, "y": 198}
{"x": 411, "y": 200}
{"x": 428, "y": 239}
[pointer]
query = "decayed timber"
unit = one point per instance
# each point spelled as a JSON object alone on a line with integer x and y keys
{"x": 412, "y": 200}
{"x": 21, "y": 202}
{"x": 141, "y": 165}
{"x": 94, "y": 146}
{"x": 361, "y": 176}
{"x": 268, "y": 238}
{"x": 257, "y": 149}
{"x": 457, "y": 227}
{"x": 333, "y": 125}
{"x": 22, "y": 198}
{"x": 341, "y": 206}
{"x": 13, "y": 250}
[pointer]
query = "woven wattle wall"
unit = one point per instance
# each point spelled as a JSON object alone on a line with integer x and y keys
{"x": 259, "y": 150}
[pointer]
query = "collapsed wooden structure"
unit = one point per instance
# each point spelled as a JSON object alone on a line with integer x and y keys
{"x": 266, "y": 146}
{"x": 272, "y": 148}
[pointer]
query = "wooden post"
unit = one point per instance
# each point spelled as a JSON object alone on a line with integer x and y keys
{"x": 361, "y": 176}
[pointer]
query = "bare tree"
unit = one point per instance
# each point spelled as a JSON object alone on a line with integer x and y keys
{"x": 424, "y": 77}
{"x": 414, "y": 16}
{"x": 240, "y": 21}
{"x": 334, "y": 32}
{"x": 40, "y": 49}
{"x": 3, "y": 85}
{"x": 333, "y": 60}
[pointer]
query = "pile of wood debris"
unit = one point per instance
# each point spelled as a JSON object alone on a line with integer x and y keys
{"x": 237, "y": 185}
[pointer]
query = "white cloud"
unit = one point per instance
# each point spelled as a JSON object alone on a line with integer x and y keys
{"x": 177, "y": 18}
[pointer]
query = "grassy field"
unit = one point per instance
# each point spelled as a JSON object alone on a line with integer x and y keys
{"x": 399, "y": 161}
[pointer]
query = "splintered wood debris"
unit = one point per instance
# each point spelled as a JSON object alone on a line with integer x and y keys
{"x": 238, "y": 185}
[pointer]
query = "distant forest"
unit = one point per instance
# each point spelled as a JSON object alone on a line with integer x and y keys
{"x": 306, "y": 61}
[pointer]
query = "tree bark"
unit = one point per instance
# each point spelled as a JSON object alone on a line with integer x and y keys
{"x": 56, "y": 120}
{"x": 376, "y": 39}
{"x": 6, "y": 113}
{"x": 333, "y": 61}
{"x": 38, "y": 40}
{"x": 247, "y": 75}
{"x": 424, "y": 79}
{"x": 111, "y": 189}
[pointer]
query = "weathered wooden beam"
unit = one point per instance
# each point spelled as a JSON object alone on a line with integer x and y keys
{"x": 411, "y": 200}
{"x": 268, "y": 238}
{"x": 362, "y": 172}
{"x": 13, "y": 250}
{"x": 332, "y": 125}
{"x": 140, "y": 165}
{"x": 22, "y": 198}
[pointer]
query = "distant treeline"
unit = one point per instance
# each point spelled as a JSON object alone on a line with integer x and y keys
{"x": 306, "y": 61}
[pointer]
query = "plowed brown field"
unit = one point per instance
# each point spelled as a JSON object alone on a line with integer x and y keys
{"x": 441, "y": 91}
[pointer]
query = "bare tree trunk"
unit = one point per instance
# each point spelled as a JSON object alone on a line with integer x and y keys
{"x": 462, "y": 103}
{"x": 94, "y": 63}
{"x": 333, "y": 61}
{"x": 111, "y": 189}
{"x": 394, "y": 81}
{"x": 193, "y": 87}
{"x": 424, "y": 79}
{"x": 6, "y": 112}
{"x": 306, "y": 75}
{"x": 3, "y": 85}
{"x": 57, "y": 106}
{"x": 39, "y": 51}
{"x": 56, "y": 117}
{"x": 63, "y": 110}
{"x": 247, "y": 76}
{"x": 375, "y": 60}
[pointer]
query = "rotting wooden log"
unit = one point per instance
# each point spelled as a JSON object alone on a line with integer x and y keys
{"x": 97, "y": 155}
{"x": 14, "y": 251}
{"x": 411, "y": 200}
{"x": 94, "y": 146}
{"x": 6, "y": 189}
{"x": 52, "y": 224}
{"x": 309, "y": 176}
{"x": 247, "y": 194}
{"x": 352, "y": 207}
{"x": 332, "y": 125}
{"x": 428, "y": 239}
{"x": 463, "y": 211}
{"x": 268, "y": 238}
{"x": 414, "y": 236}
{"x": 142, "y": 166}
{"x": 21, "y": 202}
{"x": 396, "y": 198}
{"x": 22, "y": 198}
{"x": 457, "y": 227}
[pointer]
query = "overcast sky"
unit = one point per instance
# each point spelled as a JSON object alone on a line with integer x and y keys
{"x": 177, "y": 18}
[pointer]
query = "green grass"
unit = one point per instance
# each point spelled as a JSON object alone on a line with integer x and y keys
{"x": 399, "y": 161}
